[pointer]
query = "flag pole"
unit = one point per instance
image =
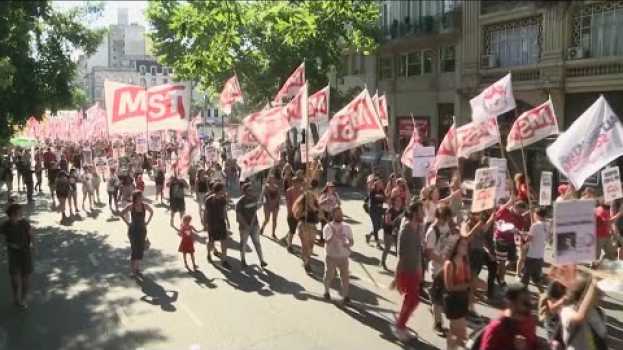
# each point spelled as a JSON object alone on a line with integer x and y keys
{"x": 525, "y": 174}
{"x": 456, "y": 144}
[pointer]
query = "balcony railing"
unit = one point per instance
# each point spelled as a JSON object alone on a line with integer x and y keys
{"x": 447, "y": 23}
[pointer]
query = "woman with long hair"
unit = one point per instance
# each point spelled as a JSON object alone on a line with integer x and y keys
{"x": 375, "y": 200}
{"x": 328, "y": 201}
{"x": 457, "y": 279}
{"x": 137, "y": 229}
{"x": 583, "y": 323}
{"x": 271, "y": 203}
{"x": 391, "y": 224}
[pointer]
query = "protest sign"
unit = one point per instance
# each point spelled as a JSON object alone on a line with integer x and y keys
{"x": 155, "y": 142}
{"x": 210, "y": 154}
{"x": 501, "y": 164}
{"x": 574, "y": 232}
{"x": 545, "y": 188}
{"x": 87, "y": 156}
{"x": 423, "y": 158}
{"x": 141, "y": 145}
{"x": 611, "y": 182}
{"x": 484, "y": 189}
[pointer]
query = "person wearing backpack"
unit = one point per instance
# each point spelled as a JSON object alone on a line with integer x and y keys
{"x": 177, "y": 201}
{"x": 515, "y": 329}
{"x": 583, "y": 323}
{"x": 435, "y": 241}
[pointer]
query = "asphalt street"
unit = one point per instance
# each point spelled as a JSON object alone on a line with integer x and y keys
{"x": 84, "y": 297}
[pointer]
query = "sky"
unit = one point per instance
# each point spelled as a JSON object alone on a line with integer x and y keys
{"x": 136, "y": 11}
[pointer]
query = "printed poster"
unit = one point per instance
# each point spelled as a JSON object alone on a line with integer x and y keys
{"x": 575, "y": 239}
{"x": 545, "y": 188}
{"x": 141, "y": 145}
{"x": 501, "y": 190}
{"x": 423, "y": 158}
{"x": 155, "y": 142}
{"x": 611, "y": 182}
{"x": 484, "y": 189}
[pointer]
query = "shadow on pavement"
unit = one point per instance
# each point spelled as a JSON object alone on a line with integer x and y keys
{"x": 155, "y": 294}
{"x": 70, "y": 304}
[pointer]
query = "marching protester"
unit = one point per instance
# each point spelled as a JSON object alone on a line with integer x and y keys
{"x": 408, "y": 273}
{"x": 177, "y": 187}
{"x": 327, "y": 200}
{"x": 201, "y": 190}
{"x": 339, "y": 240}
{"x": 246, "y": 215}
{"x": 159, "y": 182}
{"x": 271, "y": 203}
{"x": 391, "y": 223}
{"x": 112, "y": 188}
{"x": 137, "y": 229}
{"x": 88, "y": 189}
{"x": 509, "y": 222}
{"x": 216, "y": 223}
{"x": 73, "y": 193}
{"x": 536, "y": 239}
{"x": 457, "y": 281}
{"x": 20, "y": 247}
{"x": 375, "y": 200}
{"x": 307, "y": 213}
{"x": 292, "y": 194}
{"x": 63, "y": 193}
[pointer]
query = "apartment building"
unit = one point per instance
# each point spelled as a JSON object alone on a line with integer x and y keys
{"x": 436, "y": 55}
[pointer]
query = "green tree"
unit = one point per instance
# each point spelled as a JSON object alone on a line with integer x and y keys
{"x": 262, "y": 41}
{"x": 36, "y": 69}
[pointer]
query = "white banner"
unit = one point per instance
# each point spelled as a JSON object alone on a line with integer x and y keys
{"x": 484, "y": 189}
{"x": 155, "y": 142}
{"x": 575, "y": 238}
{"x": 545, "y": 188}
{"x": 611, "y": 182}
{"x": 494, "y": 100}
{"x": 476, "y": 136}
{"x": 501, "y": 164}
{"x": 423, "y": 158}
{"x": 268, "y": 127}
{"x": 532, "y": 126}
{"x": 594, "y": 140}
{"x": 254, "y": 162}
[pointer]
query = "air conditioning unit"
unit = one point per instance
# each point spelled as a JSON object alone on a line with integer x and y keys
{"x": 576, "y": 53}
{"x": 488, "y": 61}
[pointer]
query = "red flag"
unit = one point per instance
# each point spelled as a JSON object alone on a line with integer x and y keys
{"x": 231, "y": 94}
{"x": 268, "y": 127}
{"x": 407, "y": 155}
{"x": 292, "y": 85}
{"x": 319, "y": 105}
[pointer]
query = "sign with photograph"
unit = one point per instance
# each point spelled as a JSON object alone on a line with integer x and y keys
{"x": 141, "y": 144}
{"x": 87, "y": 155}
{"x": 211, "y": 155}
{"x": 484, "y": 189}
{"x": 545, "y": 188}
{"x": 155, "y": 142}
{"x": 423, "y": 158}
{"x": 501, "y": 190}
{"x": 611, "y": 182}
{"x": 575, "y": 238}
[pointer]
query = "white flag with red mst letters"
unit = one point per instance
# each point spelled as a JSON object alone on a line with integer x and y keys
{"x": 297, "y": 108}
{"x": 533, "y": 126}
{"x": 269, "y": 127}
{"x": 231, "y": 94}
{"x": 447, "y": 155}
{"x": 255, "y": 161}
{"x": 354, "y": 125}
{"x": 292, "y": 85}
{"x": 380, "y": 103}
{"x": 319, "y": 105}
{"x": 494, "y": 100}
{"x": 408, "y": 154}
{"x": 476, "y": 136}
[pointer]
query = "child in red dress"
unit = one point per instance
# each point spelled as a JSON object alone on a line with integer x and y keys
{"x": 187, "y": 245}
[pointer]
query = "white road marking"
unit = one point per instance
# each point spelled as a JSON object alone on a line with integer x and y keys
{"x": 369, "y": 276}
{"x": 92, "y": 258}
{"x": 193, "y": 317}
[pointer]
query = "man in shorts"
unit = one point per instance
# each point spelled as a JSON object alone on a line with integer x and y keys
{"x": 177, "y": 202}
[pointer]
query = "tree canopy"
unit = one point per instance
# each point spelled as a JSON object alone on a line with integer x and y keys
{"x": 261, "y": 41}
{"x": 36, "y": 69}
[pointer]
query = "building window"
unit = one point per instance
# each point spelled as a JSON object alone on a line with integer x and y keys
{"x": 215, "y": 113}
{"x": 514, "y": 43}
{"x": 598, "y": 27}
{"x": 154, "y": 82}
{"x": 414, "y": 64}
{"x": 165, "y": 71}
{"x": 142, "y": 69}
{"x": 447, "y": 59}
{"x": 427, "y": 61}
{"x": 153, "y": 70}
{"x": 165, "y": 81}
{"x": 385, "y": 68}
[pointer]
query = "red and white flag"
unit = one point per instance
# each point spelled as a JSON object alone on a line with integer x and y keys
{"x": 231, "y": 94}
{"x": 319, "y": 105}
{"x": 269, "y": 128}
{"x": 354, "y": 125}
{"x": 168, "y": 107}
{"x": 533, "y": 126}
{"x": 476, "y": 136}
{"x": 255, "y": 161}
{"x": 408, "y": 154}
{"x": 380, "y": 103}
{"x": 494, "y": 100}
{"x": 446, "y": 157}
{"x": 292, "y": 85}
{"x": 593, "y": 140}
{"x": 296, "y": 109}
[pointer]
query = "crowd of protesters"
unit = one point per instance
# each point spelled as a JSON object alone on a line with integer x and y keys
{"x": 435, "y": 238}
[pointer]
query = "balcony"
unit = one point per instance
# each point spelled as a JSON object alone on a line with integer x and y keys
{"x": 448, "y": 22}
